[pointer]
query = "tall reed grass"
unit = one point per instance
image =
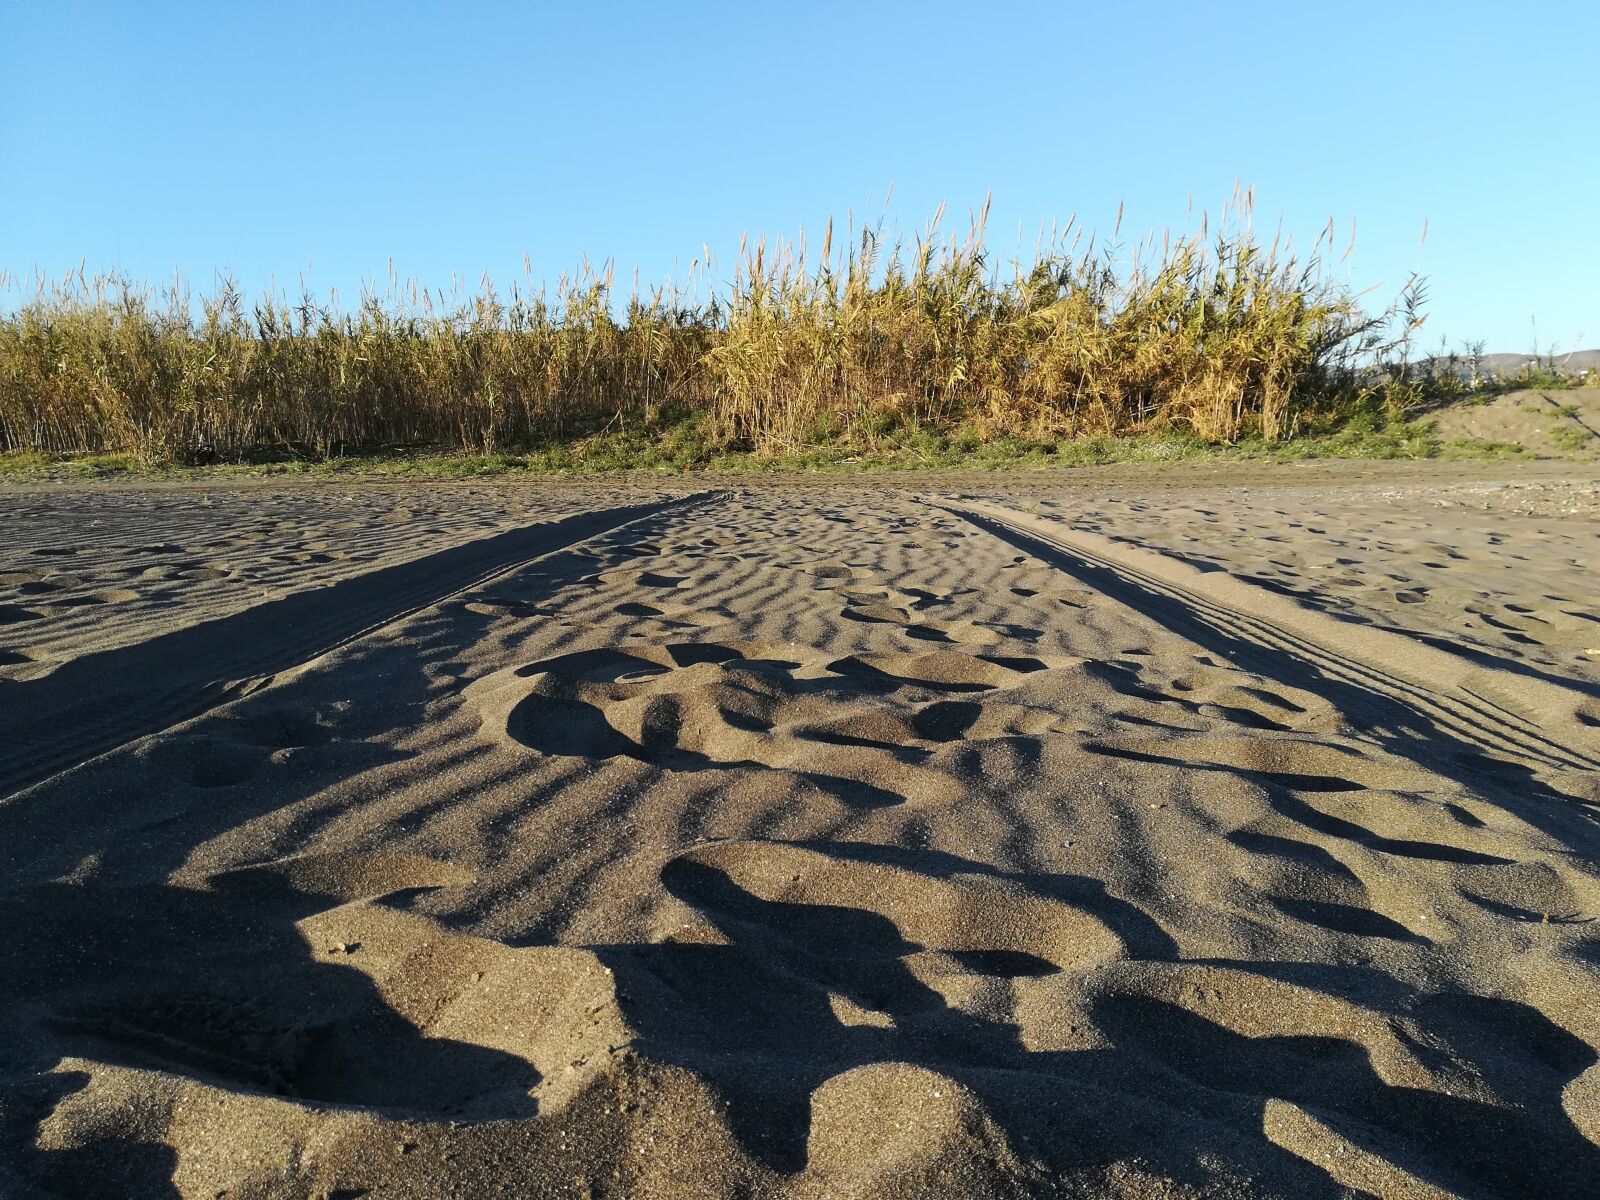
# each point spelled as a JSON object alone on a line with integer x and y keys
{"x": 1213, "y": 333}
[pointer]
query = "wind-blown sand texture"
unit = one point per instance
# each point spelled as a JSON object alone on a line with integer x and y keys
{"x": 1002, "y": 836}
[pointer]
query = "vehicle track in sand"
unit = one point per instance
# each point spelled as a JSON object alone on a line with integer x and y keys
{"x": 1442, "y": 706}
{"x": 99, "y": 702}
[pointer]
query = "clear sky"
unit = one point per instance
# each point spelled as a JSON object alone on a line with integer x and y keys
{"x": 286, "y": 139}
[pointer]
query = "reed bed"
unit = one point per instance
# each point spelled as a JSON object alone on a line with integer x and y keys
{"x": 1210, "y": 333}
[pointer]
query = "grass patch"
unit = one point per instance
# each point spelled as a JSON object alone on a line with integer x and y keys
{"x": 686, "y": 448}
{"x": 83, "y": 466}
{"x": 1459, "y": 449}
{"x": 1569, "y": 439}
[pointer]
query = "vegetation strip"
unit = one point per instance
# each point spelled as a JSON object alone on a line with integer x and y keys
{"x": 1212, "y": 336}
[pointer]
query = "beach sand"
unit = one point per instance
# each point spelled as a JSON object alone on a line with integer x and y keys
{"x": 1073, "y": 834}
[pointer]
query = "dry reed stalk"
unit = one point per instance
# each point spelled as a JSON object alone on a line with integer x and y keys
{"x": 1210, "y": 333}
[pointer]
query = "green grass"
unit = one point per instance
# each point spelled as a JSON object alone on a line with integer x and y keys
{"x": 687, "y": 449}
{"x": 1458, "y": 449}
{"x": 1569, "y": 439}
{"x": 26, "y": 463}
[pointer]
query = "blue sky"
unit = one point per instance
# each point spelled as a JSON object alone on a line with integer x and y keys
{"x": 282, "y": 140}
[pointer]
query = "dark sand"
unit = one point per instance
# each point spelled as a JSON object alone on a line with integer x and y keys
{"x": 1094, "y": 834}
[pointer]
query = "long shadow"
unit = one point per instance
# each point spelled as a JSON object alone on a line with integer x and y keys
{"x": 99, "y": 701}
{"x": 1399, "y": 728}
{"x": 557, "y": 720}
{"x": 1499, "y": 662}
{"x": 573, "y": 727}
{"x": 1481, "y": 655}
{"x": 1142, "y": 935}
{"x": 212, "y": 987}
{"x": 759, "y": 1018}
{"x": 219, "y": 985}
{"x": 84, "y": 1172}
{"x": 1524, "y": 1148}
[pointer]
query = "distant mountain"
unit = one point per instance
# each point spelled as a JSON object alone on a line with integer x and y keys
{"x": 1510, "y": 365}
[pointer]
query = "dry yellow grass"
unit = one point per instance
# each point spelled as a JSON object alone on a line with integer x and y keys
{"x": 1219, "y": 335}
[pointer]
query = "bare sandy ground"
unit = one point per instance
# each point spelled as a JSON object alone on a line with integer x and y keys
{"x": 1544, "y": 420}
{"x": 112, "y": 566}
{"x": 1100, "y": 834}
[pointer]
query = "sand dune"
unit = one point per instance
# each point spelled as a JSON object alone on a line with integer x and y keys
{"x": 948, "y": 839}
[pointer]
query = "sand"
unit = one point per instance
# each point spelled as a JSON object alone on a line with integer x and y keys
{"x": 1542, "y": 420}
{"x": 1088, "y": 834}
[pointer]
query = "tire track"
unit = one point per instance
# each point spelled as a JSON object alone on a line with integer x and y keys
{"x": 1529, "y": 722}
{"x": 99, "y": 702}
